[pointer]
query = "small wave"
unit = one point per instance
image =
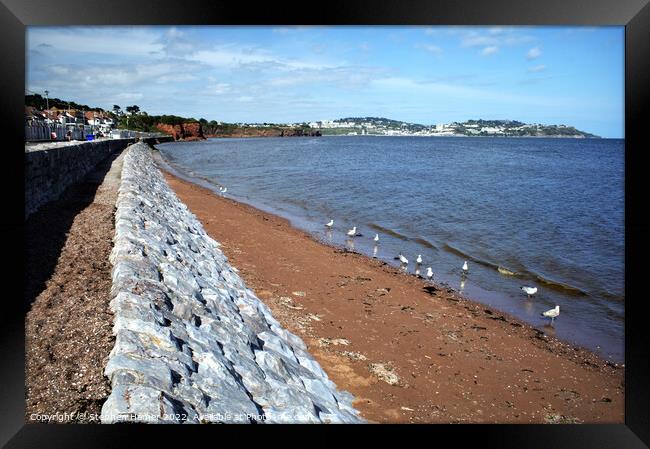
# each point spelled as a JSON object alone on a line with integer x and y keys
{"x": 425, "y": 243}
{"x": 560, "y": 285}
{"x": 389, "y": 232}
{"x": 463, "y": 255}
{"x": 524, "y": 274}
{"x": 305, "y": 205}
{"x": 455, "y": 251}
{"x": 419, "y": 240}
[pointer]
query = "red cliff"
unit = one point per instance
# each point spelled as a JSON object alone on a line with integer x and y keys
{"x": 185, "y": 131}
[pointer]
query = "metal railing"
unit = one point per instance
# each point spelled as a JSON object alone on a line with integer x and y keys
{"x": 42, "y": 131}
{"x": 36, "y": 132}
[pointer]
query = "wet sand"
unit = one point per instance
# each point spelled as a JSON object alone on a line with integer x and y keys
{"x": 409, "y": 351}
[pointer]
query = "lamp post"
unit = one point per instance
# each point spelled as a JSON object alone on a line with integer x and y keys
{"x": 47, "y": 104}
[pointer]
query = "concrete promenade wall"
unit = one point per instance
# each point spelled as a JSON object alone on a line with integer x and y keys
{"x": 48, "y": 172}
{"x": 192, "y": 343}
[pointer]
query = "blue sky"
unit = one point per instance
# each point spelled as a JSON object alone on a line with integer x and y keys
{"x": 427, "y": 75}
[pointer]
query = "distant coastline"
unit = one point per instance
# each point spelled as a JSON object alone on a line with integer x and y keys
{"x": 462, "y": 136}
{"x": 469, "y": 128}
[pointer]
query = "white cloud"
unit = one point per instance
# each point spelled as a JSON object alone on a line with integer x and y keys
{"x": 494, "y": 37}
{"x": 60, "y": 70}
{"x": 405, "y": 86}
{"x": 128, "y": 97}
{"x": 344, "y": 77}
{"x": 534, "y": 53}
{"x": 488, "y": 51}
{"x": 234, "y": 56}
{"x": 430, "y": 48}
{"x": 219, "y": 88}
{"x": 125, "y": 41}
{"x": 537, "y": 68}
{"x": 230, "y": 56}
{"x": 118, "y": 75}
{"x": 174, "y": 32}
{"x": 495, "y": 30}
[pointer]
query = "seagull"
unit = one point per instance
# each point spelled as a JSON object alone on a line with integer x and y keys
{"x": 530, "y": 291}
{"x": 419, "y": 259}
{"x": 465, "y": 267}
{"x": 223, "y": 189}
{"x": 352, "y": 232}
{"x": 403, "y": 259}
{"x": 417, "y": 272}
{"x": 429, "y": 273}
{"x": 330, "y": 224}
{"x": 376, "y": 239}
{"x": 552, "y": 314}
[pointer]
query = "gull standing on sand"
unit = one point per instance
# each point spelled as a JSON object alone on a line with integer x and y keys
{"x": 376, "y": 239}
{"x": 352, "y": 232}
{"x": 552, "y": 314}
{"x": 403, "y": 259}
{"x": 429, "y": 273}
{"x": 530, "y": 291}
{"x": 419, "y": 259}
{"x": 465, "y": 267}
{"x": 330, "y": 224}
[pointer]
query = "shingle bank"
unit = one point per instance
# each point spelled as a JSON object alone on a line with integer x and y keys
{"x": 193, "y": 344}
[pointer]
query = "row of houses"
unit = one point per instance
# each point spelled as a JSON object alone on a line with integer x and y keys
{"x": 99, "y": 120}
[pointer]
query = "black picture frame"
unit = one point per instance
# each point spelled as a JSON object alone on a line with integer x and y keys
{"x": 15, "y": 15}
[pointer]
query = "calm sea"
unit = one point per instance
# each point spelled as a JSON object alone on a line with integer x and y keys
{"x": 522, "y": 211}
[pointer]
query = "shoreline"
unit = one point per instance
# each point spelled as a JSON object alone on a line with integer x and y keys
{"x": 408, "y": 352}
{"x": 477, "y": 293}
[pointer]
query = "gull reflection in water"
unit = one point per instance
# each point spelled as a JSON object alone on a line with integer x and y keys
{"x": 549, "y": 329}
{"x": 329, "y": 235}
{"x": 374, "y": 251}
{"x": 350, "y": 244}
{"x": 528, "y": 307}
{"x": 462, "y": 283}
{"x": 417, "y": 272}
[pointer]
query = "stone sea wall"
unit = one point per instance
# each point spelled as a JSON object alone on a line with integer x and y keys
{"x": 193, "y": 344}
{"x": 48, "y": 172}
